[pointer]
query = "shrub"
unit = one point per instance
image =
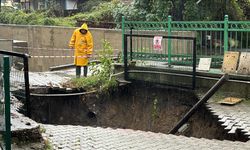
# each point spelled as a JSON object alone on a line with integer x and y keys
{"x": 33, "y": 18}
{"x": 129, "y": 11}
{"x": 102, "y": 12}
{"x": 89, "y": 4}
{"x": 101, "y": 78}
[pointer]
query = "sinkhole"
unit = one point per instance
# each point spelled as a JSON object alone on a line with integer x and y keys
{"x": 138, "y": 106}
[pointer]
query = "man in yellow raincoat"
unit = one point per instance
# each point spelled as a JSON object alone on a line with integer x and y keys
{"x": 82, "y": 42}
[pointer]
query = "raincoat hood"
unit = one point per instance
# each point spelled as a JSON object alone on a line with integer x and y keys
{"x": 84, "y": 27}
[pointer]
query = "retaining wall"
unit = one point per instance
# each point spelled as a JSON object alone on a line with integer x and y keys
{"x": 48, "y": 40}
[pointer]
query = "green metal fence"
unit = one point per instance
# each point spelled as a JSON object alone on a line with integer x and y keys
{"x": 5, "y": 104}
{"x": 213, "y": 39}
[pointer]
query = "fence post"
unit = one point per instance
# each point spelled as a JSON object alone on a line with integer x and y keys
{"x": 123, "y": 32}
{"x": 169, "y": 40}
{"x": 194, "y": 65}
{"x": 225, "y": 33}
{"x": 130, "y": 43}
{"x": 27, "y": 86}
{"x": 125, "y": 58}
{"x": 6, "y": 76}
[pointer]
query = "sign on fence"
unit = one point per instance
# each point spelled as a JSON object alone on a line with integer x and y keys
{"x": 157, "y": 43}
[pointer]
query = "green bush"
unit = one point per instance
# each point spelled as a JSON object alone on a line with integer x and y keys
{"x": 129, "y": 11}
{"x": 101, "y": 12}
{"x": 49, "y": 21}
{"x": 101, "y": 78}
{"x": 33, "y": 18}
{"x": 89, "y": 4}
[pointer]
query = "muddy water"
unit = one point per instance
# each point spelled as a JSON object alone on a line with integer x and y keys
{"x": 142, "y": 107}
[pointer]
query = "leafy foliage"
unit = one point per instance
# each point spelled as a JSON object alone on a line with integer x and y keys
{"x": 101, "y": 78}
{"x": 32, "y": 18}
{"x": 146, "y": 10}
{"x": 191, "y": 11}
{"x": 105, "y": 68}
{"x": 89, "y": 4}
{"x": 129, "y": 11}
{"x": 54, "y": 9}
{"x": 101, "y": 12}
{"x": 155, "y": 109}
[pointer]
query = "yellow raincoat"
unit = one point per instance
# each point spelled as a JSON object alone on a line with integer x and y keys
{"x": 83, "y": 45}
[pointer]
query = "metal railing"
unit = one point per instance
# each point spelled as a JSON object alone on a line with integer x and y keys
{"x": 146, "y": 52}
{"x": 5, "y": 104}
{"x": 19, "y": 76}
{"x": 213, "y": 37}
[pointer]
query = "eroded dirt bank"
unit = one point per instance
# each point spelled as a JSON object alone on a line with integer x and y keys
{"x": 137, "y": 106}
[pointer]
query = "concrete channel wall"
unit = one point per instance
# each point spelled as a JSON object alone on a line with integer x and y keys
{"x": 238, "y": 86}
{"x": 4, "y": 45}
{"x": 52, "y": 41}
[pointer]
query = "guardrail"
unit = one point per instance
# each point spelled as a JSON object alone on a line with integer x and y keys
{"x": 131, "y": 53}
{"x": 18, "y": 79}
{"x": 213, "y": 37}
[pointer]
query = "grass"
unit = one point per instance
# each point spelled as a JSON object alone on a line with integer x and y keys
{"x": 92, "y": 83}
{"x": 42, "y": 130}
{"x": 48, "y": 145}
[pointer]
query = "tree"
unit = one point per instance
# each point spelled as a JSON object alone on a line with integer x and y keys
{"x": 158, "y": 10}
{"x": 54, "y": 8}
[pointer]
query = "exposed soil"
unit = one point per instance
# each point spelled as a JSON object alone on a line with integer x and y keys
{"x": 138, "y": 106}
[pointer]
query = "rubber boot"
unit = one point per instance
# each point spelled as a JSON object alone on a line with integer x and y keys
{"x": 78, "y": 71}
{"x": 85, "y": 71}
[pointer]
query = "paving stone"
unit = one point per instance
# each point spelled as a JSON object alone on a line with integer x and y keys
{"x": 241, "y": 123}
{"x": 229, "y": 126}
{"x": 226, "y": 122}
{"x": 224, "y": 119}
{"x": 122, "y": 139}
{"x": 232, "y": 117}
{"x": 233, "y": 130}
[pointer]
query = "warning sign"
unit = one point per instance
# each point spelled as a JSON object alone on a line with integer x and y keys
{"x": 157, "y": 43}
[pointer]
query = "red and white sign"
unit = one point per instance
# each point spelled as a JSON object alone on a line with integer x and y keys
{"x": 157, "y": 43}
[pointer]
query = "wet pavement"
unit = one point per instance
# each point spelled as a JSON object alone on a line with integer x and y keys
{"x": 68, "y": 137}
{"x": 232, "y": 118}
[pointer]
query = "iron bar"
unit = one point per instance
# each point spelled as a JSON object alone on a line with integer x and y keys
{"x": 125, "y": 58}
{"x": 204, "y": 99}
{"x": 4, "y": 52}
{"x": 170, "y": 37}
{"x": 194, "y": 65}
{"x": 27, "y": 86}
{"x": 131, "y": 55}
{"x": 26, "y": 75}
{"x": 7, "y": 137}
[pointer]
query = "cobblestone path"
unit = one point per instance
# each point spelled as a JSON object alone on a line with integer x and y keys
{"x": 68, "y": 137}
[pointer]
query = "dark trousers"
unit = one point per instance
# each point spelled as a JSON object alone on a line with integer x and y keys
{"x": 78, "y": 71}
